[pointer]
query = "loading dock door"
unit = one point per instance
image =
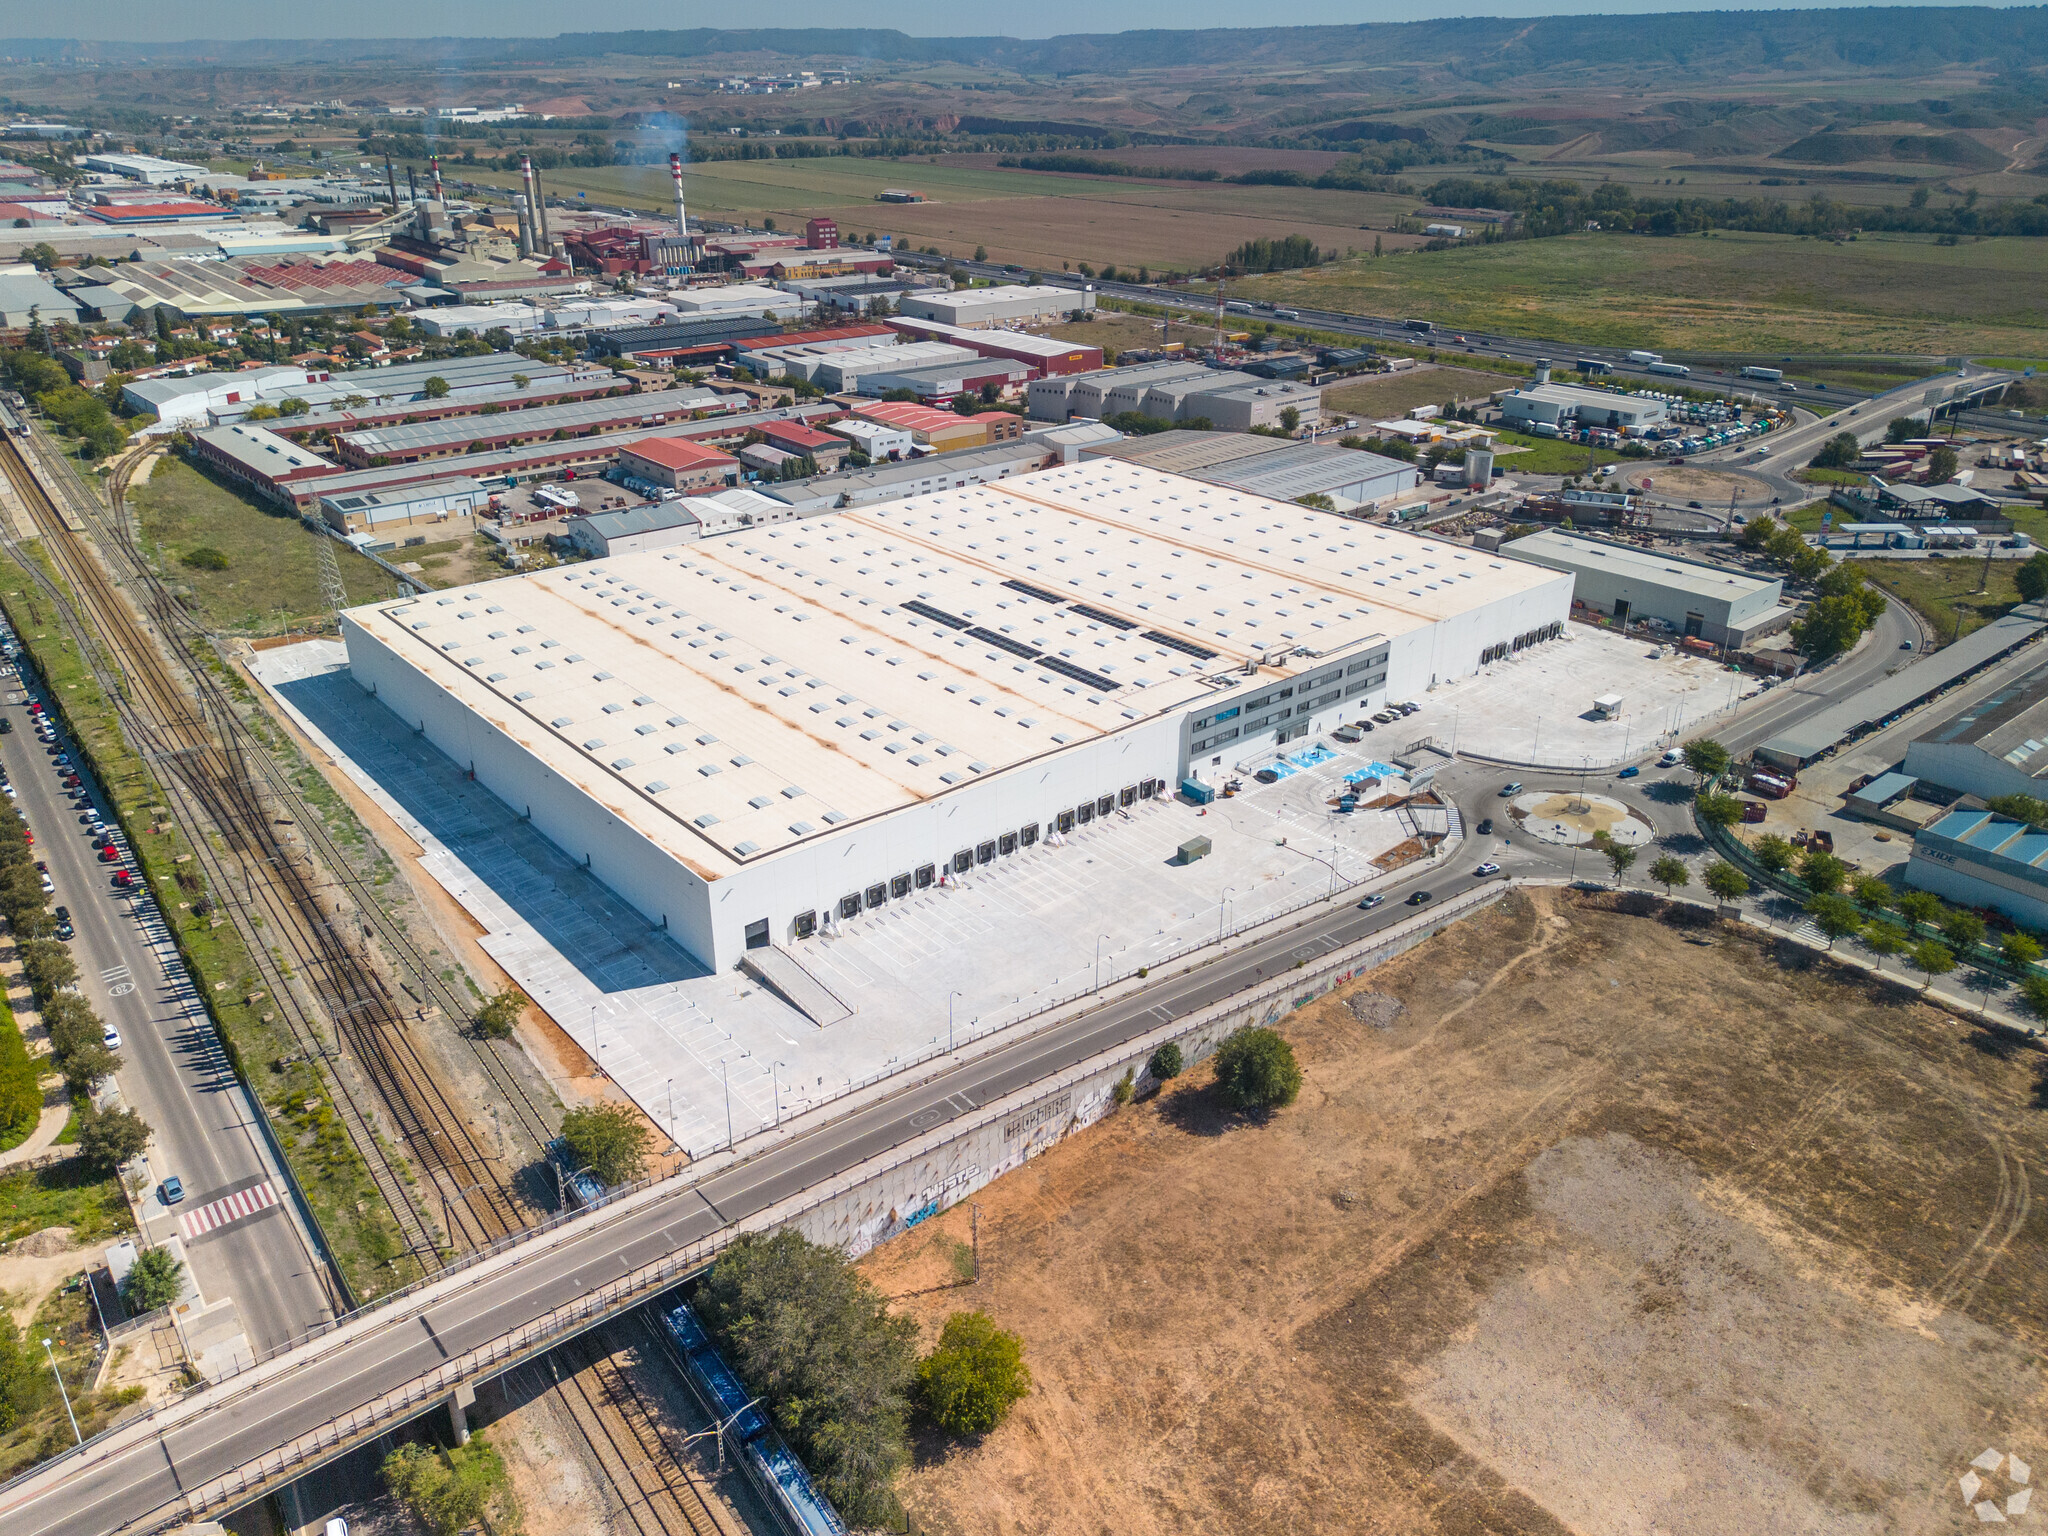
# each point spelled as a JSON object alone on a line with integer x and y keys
{"x": 1694, "y": 623}
{"x": 757, "y": 934}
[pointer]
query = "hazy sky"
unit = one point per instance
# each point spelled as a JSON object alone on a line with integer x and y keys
{"x": 178, "y": 20}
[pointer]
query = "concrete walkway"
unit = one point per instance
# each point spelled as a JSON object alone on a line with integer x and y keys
{"x": 30, "y": 1023}
{"x": 43, "y": 1137}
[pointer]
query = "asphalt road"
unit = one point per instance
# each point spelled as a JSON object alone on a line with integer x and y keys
{"x": 174, "y": 1072}
{"x": 353, "y": 1372}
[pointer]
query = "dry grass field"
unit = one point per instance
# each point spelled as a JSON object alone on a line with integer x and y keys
{"x": 1612, "y": 1227}
{"x": 1425, "y": 384}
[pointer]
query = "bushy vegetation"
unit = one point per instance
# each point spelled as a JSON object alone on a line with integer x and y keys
{"x": 1256, "y": 1070}
{"x": 79, "y": 412}
{"x": 1280, "y": 255}
{"x": 1560, "y": 207}
{"x": 833, "y": 1367}
{"x": 451, "y": 1491}
{"x": 21, "y": 1094}
{"x": 156, "y": 1279}
{"x": 608, "y": 1139}
{"x": 971, "y": 1379}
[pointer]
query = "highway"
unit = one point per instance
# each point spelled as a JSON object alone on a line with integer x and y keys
{"x": 174, "y": 1071}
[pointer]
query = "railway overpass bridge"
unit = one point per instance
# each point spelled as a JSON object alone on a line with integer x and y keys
{"x": 222, "y": 1446}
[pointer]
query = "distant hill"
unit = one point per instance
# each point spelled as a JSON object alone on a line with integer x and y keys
{"x": 1708, "y": 44}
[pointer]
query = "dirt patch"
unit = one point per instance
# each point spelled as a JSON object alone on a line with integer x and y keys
{"x": 1710, "y": 487}
{"x": 34, "y": 1266}
{"x": 1613, "y": 1231}
{"x": 1397, "y": 393}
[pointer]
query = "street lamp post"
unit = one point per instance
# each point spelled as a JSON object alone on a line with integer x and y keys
{"x": 949, "y": 1021}
{"x": 777, "y": 1081}
{"x": 64, "y": 1391}
{"x": 1228, "y": 892}
{"x": 1098, "y": 960}
{"x": 727, "y": 1078}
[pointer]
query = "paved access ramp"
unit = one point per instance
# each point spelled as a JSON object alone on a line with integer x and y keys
{"x": 787, "y": 975}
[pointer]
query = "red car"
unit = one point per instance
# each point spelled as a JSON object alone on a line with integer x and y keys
{"x": 28, "y": 836}
{"x": 110, "y": 855}
{"x": 123, "y": 879}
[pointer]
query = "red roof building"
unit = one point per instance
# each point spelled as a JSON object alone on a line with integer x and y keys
{"x": 679, "y": 464}
{"x": 822, "y": 234}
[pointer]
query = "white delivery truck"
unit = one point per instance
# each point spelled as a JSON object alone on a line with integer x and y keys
{"x": 1771, "y": 375}
{"x": 1645, "y": 358}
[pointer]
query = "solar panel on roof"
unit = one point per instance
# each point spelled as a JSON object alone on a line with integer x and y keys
{"x": 1004, "y": 643}
{"x": 937, "y": 615}
{"x": 1078, "y": 674}
{"x": 1186, "y": 647}
{"x": 1102, "y": 618}
{"x": 1038, "y": 592}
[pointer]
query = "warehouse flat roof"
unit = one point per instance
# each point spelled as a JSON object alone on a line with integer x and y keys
{"x": 1636, "y": 564}
{"x": 1890, "y": 697}
{"x": 731, "y": 698}
{"x": 576, "y": 416}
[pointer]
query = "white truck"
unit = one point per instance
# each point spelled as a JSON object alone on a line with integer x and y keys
{"x": 1771, "y": 375}
{"x": 1645, "y": 358}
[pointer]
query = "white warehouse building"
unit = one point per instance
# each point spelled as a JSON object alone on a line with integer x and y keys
{"x": 753, "y": 737}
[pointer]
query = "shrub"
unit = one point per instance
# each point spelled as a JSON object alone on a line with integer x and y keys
{"x": 1255, "y": 1069}
{"x": 156, "y": 1280}
{"x": 1126, "y": 1087}
{"x": 451, "y": 1491}
{"x": 968, "y": 1383}
{"x": 21, "y": 1096}
{"x": 205, "y": 558}
{"x": 495, "y": 1019}
{"x": 1165, "y": 1064}
{"x": 608, "y": 1139}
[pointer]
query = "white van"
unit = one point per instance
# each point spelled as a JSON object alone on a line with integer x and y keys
{"x": 1671, "y": 759}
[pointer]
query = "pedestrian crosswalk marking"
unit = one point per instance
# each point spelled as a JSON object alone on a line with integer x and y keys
{"x": 216, "y": 1214}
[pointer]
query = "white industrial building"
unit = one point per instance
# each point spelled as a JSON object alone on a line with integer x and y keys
{"x": 756, "y": 736}
{"x": 148, "y": 169}
{"x": 972, "y": 307}
{"x": 1569, "y": 406}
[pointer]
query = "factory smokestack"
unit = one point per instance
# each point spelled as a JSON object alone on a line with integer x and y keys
{"x": 675, "y": 171}
{"x": 532, "y": 185}
{"x": 434, "y": 162}
{"x": 412, "y": 185}
{"x": 525, "y": 224}
{"x": 391, "y": 178}
{"x": 543, "y": 239}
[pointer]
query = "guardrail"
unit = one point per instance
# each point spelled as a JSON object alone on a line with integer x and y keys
{"x": 1272, "y": 999}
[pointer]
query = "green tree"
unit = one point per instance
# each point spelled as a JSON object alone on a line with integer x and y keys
{"x": 1706, "y": 758}
{"x": 1900, "y": 429}
{"x": 1830, "y": 626}
{"x": 1834, "y": 914}
{"x": 1316, "y": 499}
{"x": 2031, "y": 577}
{"x": 1774, "y": 853}
{"x": 1165, "y": 1064}
{"x": 156, "y": 1279}
{"x": 1759, "y": 531}
{"x": 1619, "y": 856}
{"x": 1290, "y": 420}
{"x": 608, "y": 1139}
{"x": 1717, "y": 809}
{"x": 2021, "y": 951}
{"x": 1874, "y": 891}
{"x": 1884, "y": 938}
{"x": 110, "y": 1137}
{"x": 1932, "y": 958}
{"x": 1839, "y": 450}
{"x": 1821, "y": 872}
{"x": 1256, "y": 1069}
{"x": 834, "y": 1368}
{"x": 1725, "y": 881}
{"x": 1963, "y": 929}
{"x": 969, "y": 1382}
{"x": 24, "y": 1380}
{"x": 2033, "y": 992}
{"x": 1941, "y": 466}
{"x": 1920, "y": 908}
{"x": 1670, "y": 873}
{"x": 981, "y": 253}
{"x": 87, "y": 1065}
{"x": 436, "y": 388}
{"x": 494, "y": 1021}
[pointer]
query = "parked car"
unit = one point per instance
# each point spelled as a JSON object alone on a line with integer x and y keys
{"x": 66, "y": 932}
{"x": 1370, "y": 902}
{"x": 123, "y": 879}
{"x": 110, "y": 855}
{"x": 49, "y": 885}
{"x": 1420, "y": 899}
{"x": 172, "y": 1190}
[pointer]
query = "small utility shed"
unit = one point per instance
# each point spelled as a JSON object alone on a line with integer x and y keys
{"x": 1724, "y": 607}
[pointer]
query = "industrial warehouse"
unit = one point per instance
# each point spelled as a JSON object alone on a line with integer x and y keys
{"x": 754, "y": 739}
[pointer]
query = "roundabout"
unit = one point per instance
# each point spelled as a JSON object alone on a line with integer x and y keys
{"x": 1569, "y": 818}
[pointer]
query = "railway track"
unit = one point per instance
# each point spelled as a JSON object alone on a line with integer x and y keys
{"x": 226, "y": 782}
{"x": 650, "y": 1475}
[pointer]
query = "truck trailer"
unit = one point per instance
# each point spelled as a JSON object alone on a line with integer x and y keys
{"x": 1770, "y": 375}
{"x": 1643, "y": 358}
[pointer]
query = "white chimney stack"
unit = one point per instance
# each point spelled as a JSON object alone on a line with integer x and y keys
{"x": 675, "y": 171}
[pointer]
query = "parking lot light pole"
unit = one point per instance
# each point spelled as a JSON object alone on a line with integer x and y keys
{"x": 1221, "y": 902}
{"x": 949, "y": 1021}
